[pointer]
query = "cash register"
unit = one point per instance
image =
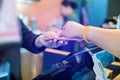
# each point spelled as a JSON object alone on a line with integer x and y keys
{"x": 65, "y": 68}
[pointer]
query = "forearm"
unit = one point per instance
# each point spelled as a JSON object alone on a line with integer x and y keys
{"x": 28, "y": 40}
{"x": 106, "y": 39}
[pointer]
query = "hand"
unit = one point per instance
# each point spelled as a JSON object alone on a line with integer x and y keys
{"x": 49, "y": 39}
{"x": 72, "y": 30}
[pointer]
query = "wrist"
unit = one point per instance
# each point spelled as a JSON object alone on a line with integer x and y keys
{"x": 38, "y": 41}
{"x": 81, "y": 32}
{"x": 86, "y": 33}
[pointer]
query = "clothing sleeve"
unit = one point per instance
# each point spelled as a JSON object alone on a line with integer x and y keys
{"x": 28, "y": 39}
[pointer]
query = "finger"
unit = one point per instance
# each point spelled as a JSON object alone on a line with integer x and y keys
{"x": 65, "y": 43}
{"x": 60, "y": 42}
{"x": 50, "y": 35}
{"x": 64, "y": 27}
{"x": 62, "y": 34}
{"x": 54, "y": 43}
{"x": 55, "y": 40}
{"x": 48, "y": 43}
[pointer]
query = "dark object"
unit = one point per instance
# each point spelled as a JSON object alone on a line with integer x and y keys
{"x": 72, "y": 4}
{"x": 114, "y": 21}
{"x": 64, "y": 69}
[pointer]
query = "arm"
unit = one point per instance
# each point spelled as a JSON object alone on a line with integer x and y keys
{"x": 38, "y": 43}
{"x": 105, "y": 38}
{"x": 28, "y": 39}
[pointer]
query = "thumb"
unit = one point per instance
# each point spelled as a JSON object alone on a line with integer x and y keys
{"x": 61, "y": 34}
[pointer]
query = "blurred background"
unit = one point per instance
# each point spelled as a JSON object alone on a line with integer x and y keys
{"x": 44, "y": 15}
{"x": 46, "y": 11}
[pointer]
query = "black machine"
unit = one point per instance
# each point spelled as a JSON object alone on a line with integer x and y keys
{"x": 64, "y": 69}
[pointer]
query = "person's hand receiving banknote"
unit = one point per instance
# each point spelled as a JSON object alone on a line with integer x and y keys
{"x": 72, "y": 31}
{"x": 50, "y": 39}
